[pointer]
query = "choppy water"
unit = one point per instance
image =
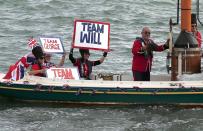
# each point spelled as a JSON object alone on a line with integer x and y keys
{"x": 20, "y": 19}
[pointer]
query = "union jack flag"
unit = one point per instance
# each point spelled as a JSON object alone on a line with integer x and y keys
{"x": 17, "y": 71}
{"x": 32, "y": 42}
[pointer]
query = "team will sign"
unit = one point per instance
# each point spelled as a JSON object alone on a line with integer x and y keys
{"x": 52, "y": 44}
{"x": 91, "y": 34}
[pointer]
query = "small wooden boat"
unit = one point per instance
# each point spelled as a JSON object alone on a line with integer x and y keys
{"x": 32, "y": 88}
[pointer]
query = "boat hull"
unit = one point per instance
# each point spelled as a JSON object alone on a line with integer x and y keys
{"x": 98, "y": 95}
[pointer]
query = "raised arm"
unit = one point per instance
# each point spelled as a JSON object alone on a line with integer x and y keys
{"x": 61, "y": 63}
{"x": 101, "y": 60}
{"x": 71, "y": 58}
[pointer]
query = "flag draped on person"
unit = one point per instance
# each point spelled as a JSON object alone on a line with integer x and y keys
{"x": 17, "y": 71}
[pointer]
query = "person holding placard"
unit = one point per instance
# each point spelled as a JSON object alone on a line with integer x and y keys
{"x": 50, "y": 64}
{"x": 83, "y": 63}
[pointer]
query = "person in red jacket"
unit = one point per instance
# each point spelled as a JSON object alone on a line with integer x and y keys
{"x": 38, "y": 69}
{"x": 142, "y": 51}
{"x": 196, "y": 34}
{"x": 194, "y": 29}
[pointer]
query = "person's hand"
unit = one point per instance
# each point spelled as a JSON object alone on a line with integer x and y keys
{"x": 43, "y": 71}
{"x": 166, "y": 45}
{"x": 104, "y": 54}
{"x": 71, "y": 50}
{"x": 144, "y": 47}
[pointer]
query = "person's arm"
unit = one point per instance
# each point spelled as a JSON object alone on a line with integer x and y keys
{"x": 61, "y": 63}
{"x": 155, "y": 47}
{"x": 101, "y": 60}
{"x": 71, "y": 58}
{"x": 138, "y": 48}
{"x": 34, "y": 72}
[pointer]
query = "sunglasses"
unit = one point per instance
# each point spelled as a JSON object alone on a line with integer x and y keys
{"x": 146, "y": 32}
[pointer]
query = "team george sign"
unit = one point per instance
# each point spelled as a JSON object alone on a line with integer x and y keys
{"x": 91, "y": 35}
{"x": 52, "y": 44}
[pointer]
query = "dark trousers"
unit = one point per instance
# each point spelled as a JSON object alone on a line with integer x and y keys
{"x": 141, "y": 76}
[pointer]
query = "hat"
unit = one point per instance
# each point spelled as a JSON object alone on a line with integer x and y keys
{"x": 193, "y": 18}
{"x": 84, "y": 51}
{"x": 37, "y": 52}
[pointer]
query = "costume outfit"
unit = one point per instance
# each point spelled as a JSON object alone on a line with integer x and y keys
{"x": 142, "y": 60}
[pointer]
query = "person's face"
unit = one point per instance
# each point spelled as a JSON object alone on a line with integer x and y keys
{"x": 193, "y": 27}
{"x": 48, "y": 58}
{"x": 146, "y": 33}
{"x": 86, "y": 56}
{"x": 41, "y": 60}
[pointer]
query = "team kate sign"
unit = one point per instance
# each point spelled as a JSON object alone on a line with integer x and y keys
{"x": 52, "y": 44}
{"x": 91, "y": 34}
{"x": 63, "y": 73}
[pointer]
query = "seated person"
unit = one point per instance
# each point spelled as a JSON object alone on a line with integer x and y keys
{"x": 16, "y": 71}
{"x": 38, "y": 69}
{"x": 49, "y": 64}
{"x": 83, "y": 63}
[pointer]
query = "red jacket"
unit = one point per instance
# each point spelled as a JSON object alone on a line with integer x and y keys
{"x": 143, "y": 62}
{"x": 199, "y": 38}
{"x": 36, "y": 67}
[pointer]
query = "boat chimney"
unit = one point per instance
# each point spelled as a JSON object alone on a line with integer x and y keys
{"x": 186, "y": 58}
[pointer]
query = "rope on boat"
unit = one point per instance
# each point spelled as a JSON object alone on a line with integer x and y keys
{"x": 38, "y": 87}
{"x": 51, "y": 88}
{"x": 78, "y": 92}
{"x": 137, "y": 88}
{"x": 8, "y": 83}
{"x": 94, "y": 91}
{"x": 194, "y": 89}
{"x": 26, "y": 82}
{"x": 66, "y": 87}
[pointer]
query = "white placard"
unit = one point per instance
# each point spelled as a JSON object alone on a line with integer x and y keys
{"x": 63, "y": 73}
{"x": 91, "y": 35}
{"x": 52, "y": 44}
